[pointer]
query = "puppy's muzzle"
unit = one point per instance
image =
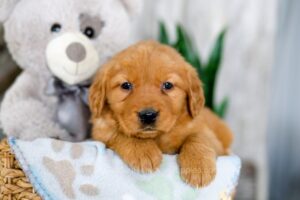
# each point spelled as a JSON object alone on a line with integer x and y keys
{"x": 148, "y": 116}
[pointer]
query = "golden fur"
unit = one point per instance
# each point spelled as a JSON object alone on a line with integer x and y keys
{"x": 183, "y": 126}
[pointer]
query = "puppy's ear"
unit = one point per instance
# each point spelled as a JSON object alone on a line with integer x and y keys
{"x": 6, "y": 8}
{"x": 97, "y": 94}
{"x": 195, "y": 93}
{"x": 133, "y": 7}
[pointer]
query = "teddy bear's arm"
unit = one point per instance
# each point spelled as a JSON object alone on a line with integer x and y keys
{"x": 25, "y": 114}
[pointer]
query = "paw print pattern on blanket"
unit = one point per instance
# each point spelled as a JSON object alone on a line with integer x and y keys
{"x": 65, "y": 174}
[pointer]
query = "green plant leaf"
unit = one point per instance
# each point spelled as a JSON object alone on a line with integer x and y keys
{"x": 163, "y": 35}
{"x": 212, "y": 67}
{"x": 221, "y": 109}
{"x": 185, "y": 47}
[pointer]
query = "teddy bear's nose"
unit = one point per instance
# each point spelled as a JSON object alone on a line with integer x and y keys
{"x": 76, "y": 52}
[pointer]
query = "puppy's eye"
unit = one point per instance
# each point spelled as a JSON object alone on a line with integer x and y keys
{"x": 89, "y": 32}
{"x": 126, "y": 86}
{"x": 55, "y": 28}
{"x": 167, "y": 86}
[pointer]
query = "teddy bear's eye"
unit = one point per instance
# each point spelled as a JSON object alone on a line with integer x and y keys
{"x": 89, "y": 32}
{"x": 167, "y": 86}
{"x": 126, "y": 86}
{"x": 55, "y": 28}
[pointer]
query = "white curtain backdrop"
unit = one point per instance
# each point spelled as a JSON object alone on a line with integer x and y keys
{"x": 284, "y": 124}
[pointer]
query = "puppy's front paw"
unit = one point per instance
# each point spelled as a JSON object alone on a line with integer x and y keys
{"x": 144, "y": 157}
{"x": 198, "y": 172}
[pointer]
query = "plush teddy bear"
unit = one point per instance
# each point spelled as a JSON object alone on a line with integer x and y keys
{"x": 59, "y": 44}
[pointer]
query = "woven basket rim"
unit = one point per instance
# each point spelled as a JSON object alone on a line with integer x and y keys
{"x": 14, "y": 184}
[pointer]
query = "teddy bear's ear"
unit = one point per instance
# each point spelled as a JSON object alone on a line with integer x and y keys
{"x": 6, "y": 8}
{"x": 133, "y": 7}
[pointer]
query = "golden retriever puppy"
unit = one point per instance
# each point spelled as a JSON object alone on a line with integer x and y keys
{"x": 148, "y": 100}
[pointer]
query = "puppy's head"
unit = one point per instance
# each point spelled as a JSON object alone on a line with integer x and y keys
{"x": 148, "y": 88}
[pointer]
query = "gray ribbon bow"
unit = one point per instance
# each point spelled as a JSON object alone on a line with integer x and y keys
{"x": 72, "y": 113}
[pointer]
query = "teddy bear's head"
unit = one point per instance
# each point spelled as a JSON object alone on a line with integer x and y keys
{"x": 68, "y": 38}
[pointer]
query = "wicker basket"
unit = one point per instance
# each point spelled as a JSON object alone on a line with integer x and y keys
{"x": 14, "y": 185}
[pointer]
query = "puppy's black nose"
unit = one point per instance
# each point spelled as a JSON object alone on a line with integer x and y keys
{"x": 148, "y": 116}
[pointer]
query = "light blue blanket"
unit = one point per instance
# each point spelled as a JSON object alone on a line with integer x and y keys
{"x": 88, "y": 171}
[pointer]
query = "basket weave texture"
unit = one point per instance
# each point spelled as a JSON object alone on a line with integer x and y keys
{"x": 14, "y": 185}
